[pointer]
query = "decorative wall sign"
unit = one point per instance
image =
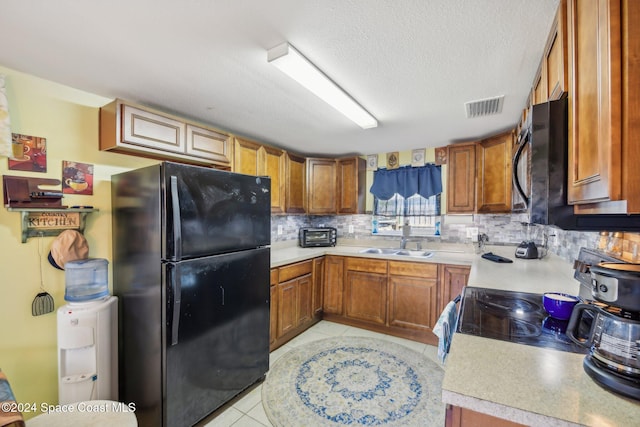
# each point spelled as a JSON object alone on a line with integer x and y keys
{"x": 372, "y": 162}
{"x": 417, "y": 157}
{"x": 441, "y": 156}
{"x": 77, "y": 178}
{"x": 393, "y": 160}
{"x": 28, "y": 153}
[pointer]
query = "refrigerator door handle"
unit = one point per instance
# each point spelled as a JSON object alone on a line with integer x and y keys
{"x": 176, "y": 290}
{"x": 177, "y": 229}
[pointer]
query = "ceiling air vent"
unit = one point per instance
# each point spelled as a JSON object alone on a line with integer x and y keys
{"x": 484, "y": 107}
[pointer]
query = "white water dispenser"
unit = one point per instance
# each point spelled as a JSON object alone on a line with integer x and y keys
{"x": 87, "y": 335}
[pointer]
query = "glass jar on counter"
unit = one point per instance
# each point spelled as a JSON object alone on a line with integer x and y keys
{"x": 603, "y": 241}
{"x": 615, "y": 244}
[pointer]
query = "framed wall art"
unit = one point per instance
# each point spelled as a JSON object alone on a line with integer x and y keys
{"x": 28, "y": 153}
{"x": 417, "y": 157}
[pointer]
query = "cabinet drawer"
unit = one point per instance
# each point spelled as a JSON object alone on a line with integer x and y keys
{"x": 294, "y": 270}
{"x": 152, "y": 130}
{"x": 367, "y": 265}
{"x": 274, "y": 277}
{"x": 414, "y": 269}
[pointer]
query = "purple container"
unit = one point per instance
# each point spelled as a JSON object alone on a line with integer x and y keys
{"x": 559, "y": 305}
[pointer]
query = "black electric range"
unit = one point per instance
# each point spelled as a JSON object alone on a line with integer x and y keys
{"x": 517, "y": 317}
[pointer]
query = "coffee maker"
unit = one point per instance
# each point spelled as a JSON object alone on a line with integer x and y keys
{"x": 528, "y": 249}
{"x": 613, "y": 361}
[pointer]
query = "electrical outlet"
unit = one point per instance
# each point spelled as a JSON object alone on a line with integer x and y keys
{"x": 472, "y": 233}
{"x": 280, "y": 230}
{"x": 351, "y": 229}
{"x": 320, "y": 225}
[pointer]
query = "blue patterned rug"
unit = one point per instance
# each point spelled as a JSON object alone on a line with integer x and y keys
{"x": 353, "y": 381}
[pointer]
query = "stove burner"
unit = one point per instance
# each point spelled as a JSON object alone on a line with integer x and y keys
{"x": 513, "y": 316}
{"x": 506, "y": 303}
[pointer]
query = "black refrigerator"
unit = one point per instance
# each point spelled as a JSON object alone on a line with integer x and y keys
{"x": 191, "y": 268}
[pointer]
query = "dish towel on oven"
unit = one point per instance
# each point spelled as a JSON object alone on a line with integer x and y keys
{"x": 445, "y": 326}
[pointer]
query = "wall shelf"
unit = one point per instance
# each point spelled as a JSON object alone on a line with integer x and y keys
{"x": 37, "y": 222}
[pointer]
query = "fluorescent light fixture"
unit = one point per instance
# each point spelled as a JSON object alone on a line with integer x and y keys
{"x": 296, "y": 66}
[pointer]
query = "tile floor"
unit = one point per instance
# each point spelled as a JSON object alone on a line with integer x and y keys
{"x": 248, "y": 411}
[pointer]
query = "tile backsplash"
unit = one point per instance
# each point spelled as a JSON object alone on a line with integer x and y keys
{"x": 502, "y": 230}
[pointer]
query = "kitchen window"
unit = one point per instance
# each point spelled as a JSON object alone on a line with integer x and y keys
{"x": 407, "y": 195}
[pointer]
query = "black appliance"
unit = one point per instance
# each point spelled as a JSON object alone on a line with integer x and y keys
{"x": 544, "y": 143}
{"x": 191, "y": 268}
{"x": 613, "y": 360}
{"x": 517, "y": 317}
{"x": 317, "y": 237}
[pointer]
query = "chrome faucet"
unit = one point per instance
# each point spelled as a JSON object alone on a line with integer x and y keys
{"x": 406, "y": 237}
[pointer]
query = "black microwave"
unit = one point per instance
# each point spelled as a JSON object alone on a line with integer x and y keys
{"x": 317, "y": 237}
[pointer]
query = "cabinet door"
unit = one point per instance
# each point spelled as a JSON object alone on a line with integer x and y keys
{"x": 208, "y": 144}
{"x": 594, "y": 104}
{"x": 333, "y": 285}
{"x": 245, "y": 157}
{"x": 540, "y": 86}
{"x": 148, "y": 129}
{"x": 461, "y": 185}
{"x": 463, "y": 417}
{"x": 366, "y": 296}
{"x": 413, "y": 295}
{"x": 453, "y": 279}
{"x": 351, "y": 185}
{"x": 555, "y": 59}
{"x": 287, "y": 306}
{"x": 272, "y": 165}
{"x": 318, "y": 284}
{"x": 413, "y": 302}
{"x": 295, "y": 184}
{"x": 493, "y": 166}
{"x": 305, "y": 298}
{"x": 273, "y": 313}
{"x": 321, "y": 186}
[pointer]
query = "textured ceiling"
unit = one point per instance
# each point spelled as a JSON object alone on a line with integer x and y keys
{"x": 411, "y": 63}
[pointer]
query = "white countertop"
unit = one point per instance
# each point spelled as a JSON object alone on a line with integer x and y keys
{"x": 526, "y": 384}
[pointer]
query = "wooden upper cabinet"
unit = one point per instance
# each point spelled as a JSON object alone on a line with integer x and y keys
{"x": 555, "y": 58}
{"x": 272, "y": 164}
{"x": 604, "y": 106}
{"x": 295, "y": 175}
{"x": 595, "y": 48}
{"x": 208, "y": 144}
{"x": 539, "y": 94}
{"x": 134, "y": 129}
{"x": 461, "y": 182}
{"x": 321, "y": 186}
{"x": 493, "y": 169}
{"x": 245, "y": 157}
{"x": 351, "y": 181}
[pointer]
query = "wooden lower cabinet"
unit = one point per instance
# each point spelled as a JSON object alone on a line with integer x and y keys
{"x": 462, "y": 417}
{"x": 333, "y": 285}
{"x": 413, "y": 295}
{"x": 366, "y": 296}
{"x": 291, "y": 301}
{"x": 318, "y": 284}
{"x": 452, "y": 279}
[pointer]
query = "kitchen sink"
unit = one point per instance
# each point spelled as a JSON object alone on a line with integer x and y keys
{"x": 396, "y": 251}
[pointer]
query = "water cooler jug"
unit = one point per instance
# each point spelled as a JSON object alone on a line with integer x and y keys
{"x": 87, "y": 335}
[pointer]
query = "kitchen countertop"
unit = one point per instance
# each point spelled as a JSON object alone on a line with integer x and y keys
{"x": 526, "y": 384}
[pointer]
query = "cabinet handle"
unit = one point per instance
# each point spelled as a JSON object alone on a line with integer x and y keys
{"x": 222, "y": 291}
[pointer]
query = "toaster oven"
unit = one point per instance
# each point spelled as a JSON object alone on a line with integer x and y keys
{"x": 317, "y": 237}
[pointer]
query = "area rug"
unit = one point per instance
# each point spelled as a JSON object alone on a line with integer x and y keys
{"x": 353, "y": 381}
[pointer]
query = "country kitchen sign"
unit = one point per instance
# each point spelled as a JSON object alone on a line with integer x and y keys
{"x": 52, "y": 222}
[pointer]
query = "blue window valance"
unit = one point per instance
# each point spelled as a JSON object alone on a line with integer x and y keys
{"x": 407, "y": 181}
